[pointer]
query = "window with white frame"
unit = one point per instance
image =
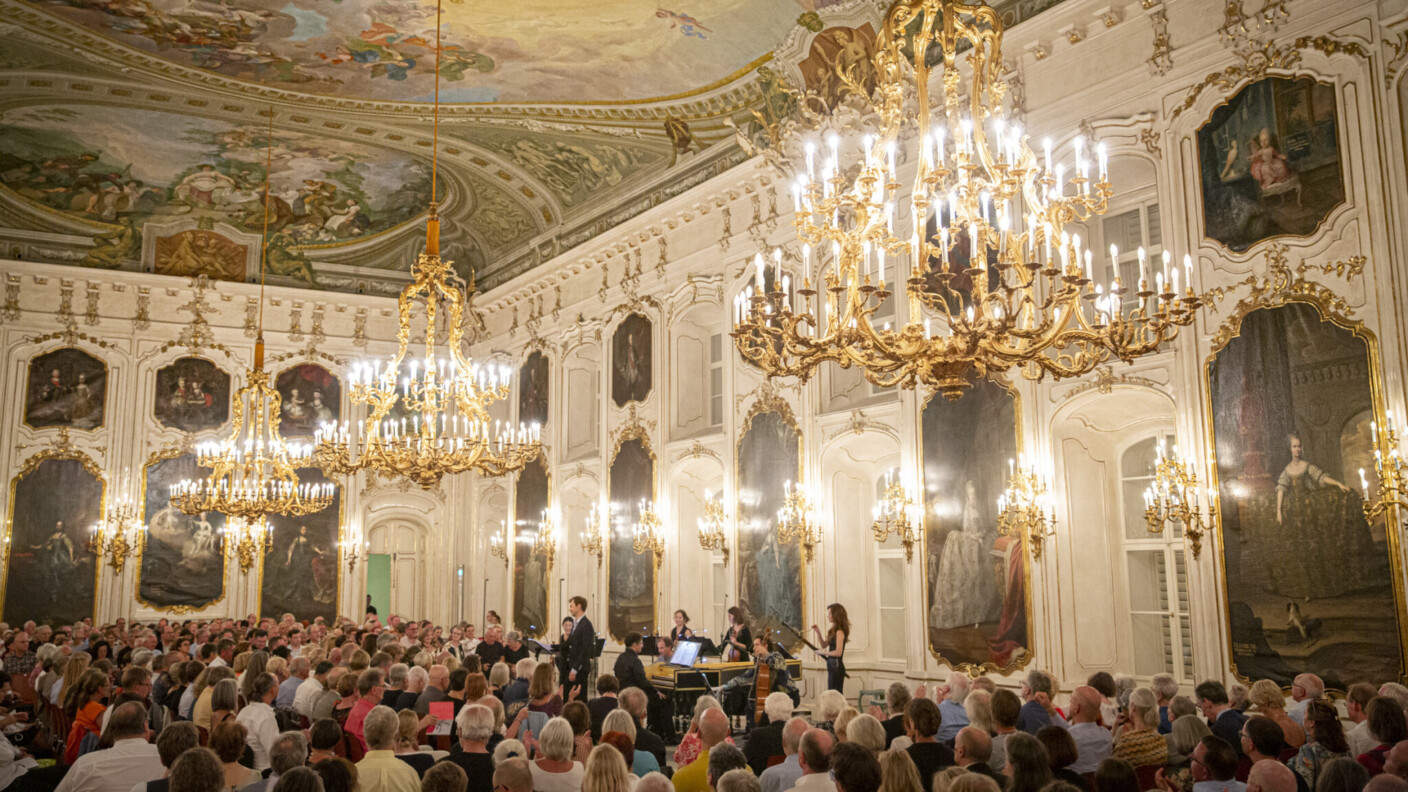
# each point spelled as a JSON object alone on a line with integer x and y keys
{"x": 716, "y": 380}
{"x": 890, "y": 577}
{"x": 1157, "y": 573}
{"x": 1130, "y": 230}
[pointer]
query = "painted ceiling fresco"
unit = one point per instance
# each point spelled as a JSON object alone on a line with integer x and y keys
{"x": 522, "y": 51}
{"x": 135, "y": 165}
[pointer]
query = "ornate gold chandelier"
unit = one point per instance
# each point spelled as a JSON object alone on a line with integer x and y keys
{"x": 593, "y": 534}
{"x": 443, "y": 424}
{"x": 796, "y": 520}
{"x": 119, "y": 534}
{"x": 247, "y": 540}
{"x": 648, "y": 535}
{"x": 544, "y": 540}
{"x": 253, "y": 471}
{"x": 712, "y": 525}
{"x": 896, "y": 513}
{"x": 992, "y": 280}
{"x": 1025, "y": 509}
{"x": 1174, "y": 497}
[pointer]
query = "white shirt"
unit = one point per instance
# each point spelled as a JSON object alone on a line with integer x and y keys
{"x": 1297, "y": 711}
{"x": 815, "y": 782}
{"x": 11, "y": 765}
{"x": 188, "y": 702}
{"x": 1361, "y": 740}
{"x": 306, "y": 694}
{"x": 117, "y": 769}
{"x": 262, "y": 729}
{"x": 570, "y": 781}
{"x": 217, "y": 662}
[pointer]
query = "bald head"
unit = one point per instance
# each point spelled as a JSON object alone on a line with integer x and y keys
{"x": 1384, "y": 782}
{"x": 713, "y": 727}
{"x": 792, "y": 735}
{"x": 514, "y": 775}
{"x": 814, "y": 751}
{"x": 972, "y": 746}
{"x": 1271, "y": 776}
{"x": 439, "y": 677}
{"x": 1396, "y": 763}
{"x": 1085, "y": 701}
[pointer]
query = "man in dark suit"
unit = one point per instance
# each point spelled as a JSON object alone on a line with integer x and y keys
{"x": 765, "y": 741}
{"x": 581, "y": 645}
{"x": 972, "y": 749}
{"x": 1224, "y": 721}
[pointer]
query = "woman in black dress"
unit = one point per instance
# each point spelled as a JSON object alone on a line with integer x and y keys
{"x": 681, "y": 628}
{"x": 835, "y": 640}
{"x": 737, "y": 639}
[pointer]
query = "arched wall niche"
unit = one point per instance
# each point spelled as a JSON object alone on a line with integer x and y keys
{"x": 495, "y": 584}
{"x": 581, "y": 403}
{"x": 850, "y": 465}
{"x": 698, "y": 347}
{"x": 702, "y": 583}
{"x": 1100, "y": 528}
{"x": 577, "y": 497}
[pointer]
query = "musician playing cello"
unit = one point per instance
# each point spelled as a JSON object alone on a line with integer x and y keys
{"x": 738, "y": 639}
{"x": 734, "y": 693}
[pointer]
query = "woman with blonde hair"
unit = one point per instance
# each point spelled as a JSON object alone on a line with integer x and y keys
{"x": 843, "y": 718}
{"x": 867, "y": 731}
{"x": 828, "y": 706}
{"x": 606, "y": 771}
{"x": 554, "y": 770}
{"x": 498, "y": 678}
{"x": 898, "y": 772}
{"x": 943, "y": 780}
{"x": 1188, "y": 731}
{"x": 1268, "y": 699}
{"x": 408, "y": 742}
{"x": 1137, "y": 740}
{"x": 641, "y": 762}
{"x": 978, "y": 705}
{"x": 78, "y": 662}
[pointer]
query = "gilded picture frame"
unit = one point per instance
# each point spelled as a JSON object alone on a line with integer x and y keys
{"x": 616, "y": 627}
{"x": 315, "y": 476}
{"x": 57, "y": 454}
{"x": 216, "y": 523}
{"x": 1332, "y": 310}
{"x": 765, "y": 623}
{"x": 1020, "y": 660}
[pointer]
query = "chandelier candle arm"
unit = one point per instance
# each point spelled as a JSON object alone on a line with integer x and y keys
{"x": 997, "y": 284}
{"x": 1174, "y": 497}
{"x": 898, "y": 513}
{"x": 593, "y": 535}
{"x": 797, "y": 520}
{"x": 713, "y": 526}
{"x": 648, "y": 534}
{"x": 120, "y": 534}
{"x": 1026, "y": 509}
{"x": 1391, "y": 492}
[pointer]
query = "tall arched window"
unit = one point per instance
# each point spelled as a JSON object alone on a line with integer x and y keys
{"x": 1157, "y": 572}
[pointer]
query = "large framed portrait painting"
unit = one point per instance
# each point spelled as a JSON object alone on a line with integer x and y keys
{"x": 975, "y": 578}
{"x": 301, "y": 569}
{"x": 630, "y": 575}
{"x": 67, "y": 387}
{"x": 310, "y": 395}
{"x": 1270, "y": 162}
{"x": 533, "y": 390}
{"x": 1309, "y": 579}
{"x": 183, "y": 564}
{"x": 770, "y": 571}
{"x": 51, "y": 576}
{"x": 530, "y": 575}
{"x": 630, "y": 361}
{"x": 192, "y": 395}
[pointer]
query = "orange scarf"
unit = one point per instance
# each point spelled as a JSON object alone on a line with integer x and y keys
{"x": 89, "y": 719}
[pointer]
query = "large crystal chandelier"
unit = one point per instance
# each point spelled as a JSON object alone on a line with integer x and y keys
{"x": 253, "y": 471}
{"x": 442, "y": 424}
{"x": 992, "y": 278}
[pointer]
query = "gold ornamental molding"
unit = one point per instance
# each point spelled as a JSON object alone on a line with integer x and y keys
{"x": 1283, "y": 283}
{"x": 1257, "y": 63}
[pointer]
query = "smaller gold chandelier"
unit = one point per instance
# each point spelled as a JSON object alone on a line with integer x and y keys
{"x": 896, "y": 513}
{"x": 796, "y": 520}
{"x": 648, "y": 535}
{"x": 119, "y": 534}
{"x": 593, "y": 535}
{"x": 544, "y": 541}
{"x": 498, "y": 545}
{"x": 1174, "y": 497}
{"x": 354, "y": 548}
{"x": 712, "y": 524}
{"x": 1389, "y": 467}
{"x": 246, "y": 541}
{"x": 1025, "y": 509}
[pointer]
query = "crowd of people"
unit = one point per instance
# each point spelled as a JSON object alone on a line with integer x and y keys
{"x": 278, "y": 705}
